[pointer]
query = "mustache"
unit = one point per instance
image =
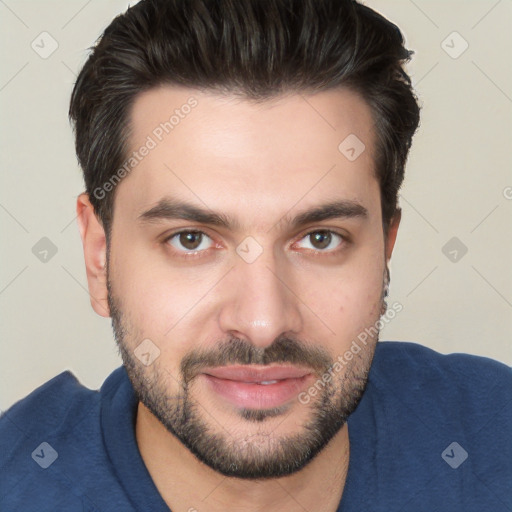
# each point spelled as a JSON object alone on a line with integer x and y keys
{"x": 239, "y": 351}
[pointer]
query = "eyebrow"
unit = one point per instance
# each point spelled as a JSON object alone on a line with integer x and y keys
{"x": 170, "y": 209}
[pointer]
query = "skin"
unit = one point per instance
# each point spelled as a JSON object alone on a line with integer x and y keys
{"x": 260, "y": 164}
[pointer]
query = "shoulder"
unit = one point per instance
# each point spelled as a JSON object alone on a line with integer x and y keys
{"x": 52, "y": 411}
{"x": 417, "y": 362}
{"x": 424, "y": 414}
{"x": 47, "y": 407}
{"x": 49, "y": 442}
{"x": 461, "y": 385}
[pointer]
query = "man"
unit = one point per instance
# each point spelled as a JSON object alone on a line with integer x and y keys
{"x": 242, "y": 162}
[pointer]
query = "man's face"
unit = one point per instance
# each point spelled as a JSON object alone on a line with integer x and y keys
{"x": 258, "y": 289}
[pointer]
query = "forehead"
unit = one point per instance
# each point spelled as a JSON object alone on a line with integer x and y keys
{"x": 232, "y": 154}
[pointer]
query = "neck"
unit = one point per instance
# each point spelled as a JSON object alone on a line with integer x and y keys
{"x": 186, "y": 484}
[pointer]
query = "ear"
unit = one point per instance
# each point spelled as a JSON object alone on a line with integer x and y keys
{"x": 392, "y": 232}
{"x": 95, "y": 252}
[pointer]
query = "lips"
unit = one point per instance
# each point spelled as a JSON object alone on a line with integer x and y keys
{"x": 257, "y": 374}
{"x": 257, "y": 387}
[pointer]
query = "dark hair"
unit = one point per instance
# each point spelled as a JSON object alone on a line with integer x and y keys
{"x": 256, "y": 49}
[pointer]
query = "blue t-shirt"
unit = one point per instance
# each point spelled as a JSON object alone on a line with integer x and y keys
{"x": 432, "y": 433}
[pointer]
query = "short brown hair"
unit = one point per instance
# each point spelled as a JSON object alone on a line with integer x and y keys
{"x": 254, "y": 48}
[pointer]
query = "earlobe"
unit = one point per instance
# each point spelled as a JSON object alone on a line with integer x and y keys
{"x": 392, "y": 233}
{"x": 95, "y": 254}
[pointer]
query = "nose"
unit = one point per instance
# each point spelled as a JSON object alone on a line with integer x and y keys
{"x": 261, "y": 303}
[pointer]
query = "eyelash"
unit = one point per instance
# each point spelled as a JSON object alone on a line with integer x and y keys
{"x": 315, "y": 253}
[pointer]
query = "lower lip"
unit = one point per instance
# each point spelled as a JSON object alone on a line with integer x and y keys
{"x": 258, "y": 396}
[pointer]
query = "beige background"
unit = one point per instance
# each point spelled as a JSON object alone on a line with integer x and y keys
{"x": 458, "y": 184}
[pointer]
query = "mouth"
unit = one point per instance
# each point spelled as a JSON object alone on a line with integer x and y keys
{"x": 255, "y": 387}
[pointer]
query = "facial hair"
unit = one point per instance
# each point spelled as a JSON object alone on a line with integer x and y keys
{"x": 257, "y": 455}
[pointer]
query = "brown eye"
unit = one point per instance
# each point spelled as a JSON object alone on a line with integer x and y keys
{"x": 185, "y": 241}
{"x": 190, "y": 240}
{"x": 323, "y": 240}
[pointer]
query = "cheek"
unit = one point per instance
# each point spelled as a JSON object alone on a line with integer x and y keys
{"x": 347, "y": 299}
{"x": 161, "y": 302}
{"x": 145, "y": 297}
